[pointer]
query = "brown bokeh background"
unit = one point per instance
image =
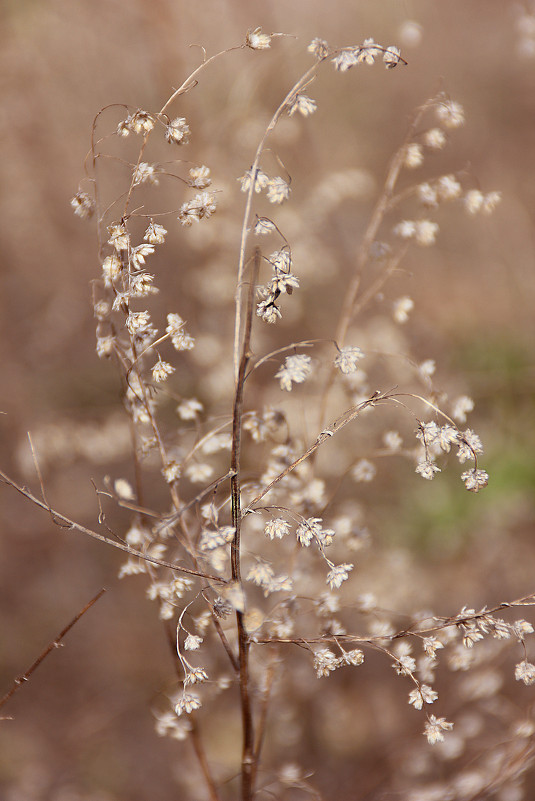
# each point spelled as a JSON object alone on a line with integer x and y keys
{"x": 82, "y": 727}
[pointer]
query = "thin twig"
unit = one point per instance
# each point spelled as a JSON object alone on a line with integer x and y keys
{"x": 336, "y": 426}
{"x": 61, "y": 519}
{"x": 20, "y": 680}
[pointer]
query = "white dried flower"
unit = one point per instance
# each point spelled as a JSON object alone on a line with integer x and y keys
{"x": 296, "y": 369}
{"x": 257, "y": 40}
{"x": 363, "y": 471}
{"x": 278, "y": 190}
{"x": 187, "y": 704}
{"x": 428, "y": 195}
{"x": 473, "y": 201}
{"x": 192, "y": 642}
{"x": 200, "y": 177}
{"x": 261, "y": 180}
{"x": 111, "y": 269}
{"x": 431, "y": 645}
{"x": 425, "y": 232}
{"x": 141, "y": 285}
{"x": 422, "y": 695}
{"x": 189, "y": 409}
{"x": 123, "y": 489}
{"x": 474, "y": 480}
{"x": 490, "y": 202}
{"x": 414, "y": 156}
{"x": 141, "y": 122}
{"x": 319, "y": 48}
{"x": 435, "y": 138}
{"x": 155, "y": 234}
{"x": 428, "y": 432}
{"x": 405, "y": 665}
{"x": 303, "y": 104}
{"x": 448, "y": 187}
{"x": 461, "y": 407}
{"x": 263, "y": 226}
{"x": 434, "y": 729}
{"x": 161, "y": 371}
{"x": 392, "y": 441}
{"x": 167, "y": 725}
{"x": 324, "y": 662}
{"x": 427, "y": 469}
{"x": 345, "y": 59}
{"x": 367, "y": 52}
{"x": 354, "y": 657}
{"x": 138, "y": 255}
{"x": 172, "y": 471}
{"x": 277, "y": 528}
{"x": 268, "y": 311}
{"x": 450, "y": 114}
{"x": 202, "y": 206}
{"x": 177, "y": 131}
{"x": 83, "y": 205}
{"x": 521, "y": 628}
{"x": 469, "y": 445}
{"x": 391, "y": 57}
{"x": 144, "y": 173}
{"x": 308, "y": 530}
{"x": 105, "y": 346}
{"x": 337, "y": 575}
{"x": 137, "y": 322}
{"x": 347, "y": 359}
{"x": 427, "y": 368}
{"x": 119, "y": 236}
{"x": 406, "y": 229}
{"x": 199, "y": 473}
{"x": 401, "y": 308}
{"x": 196, "y": 676}
{"x": 525, "y": 672}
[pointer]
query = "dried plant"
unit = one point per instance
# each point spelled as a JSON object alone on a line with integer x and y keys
{"x": 252, "y": 558}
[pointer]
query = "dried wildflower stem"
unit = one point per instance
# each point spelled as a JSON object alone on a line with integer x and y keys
{"x": 376, "y": 219}
{"x": 20, "y": 680}
{"x": 191, "y": 81}
{"x": 264, "y": 708}
{"x": 336, "y": 426}
{"x": 248, "y": 752}
{"x": 198, "y": 747}
{"x": 351, "y": 307}
{"x": 248, "y": 206}
{"x": 194, "y": 733}
{"x": 66, "y": 522}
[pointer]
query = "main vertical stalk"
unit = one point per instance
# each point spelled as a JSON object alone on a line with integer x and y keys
{"x": 248, "y": 752}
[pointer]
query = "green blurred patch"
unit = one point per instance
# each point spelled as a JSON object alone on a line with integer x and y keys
{"x": 441, "y": 516}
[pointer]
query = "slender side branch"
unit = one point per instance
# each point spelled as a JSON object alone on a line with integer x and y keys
{"x": 19, "y": 681}
{"x": 67, "y": 523}
{"x": 303, "y": 80}
{"x": 338, "y": 424}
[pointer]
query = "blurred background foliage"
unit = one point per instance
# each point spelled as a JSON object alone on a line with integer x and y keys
{"x": 82, "y": 728}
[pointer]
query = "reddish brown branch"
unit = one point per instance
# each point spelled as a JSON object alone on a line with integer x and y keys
{"x": 19, "y": 681}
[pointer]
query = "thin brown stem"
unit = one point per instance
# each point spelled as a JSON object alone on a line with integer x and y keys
{"x": 200, "y": 753}
{"x": 66, "y": 522}
{"x": 248, "y": 751}
{"x": 194, "y": 733}
{"x": 264, "y": 706}
{"x": 20, "y": 680}
{"x": 322, "y": 437}
{"x": 351, "y": 307}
